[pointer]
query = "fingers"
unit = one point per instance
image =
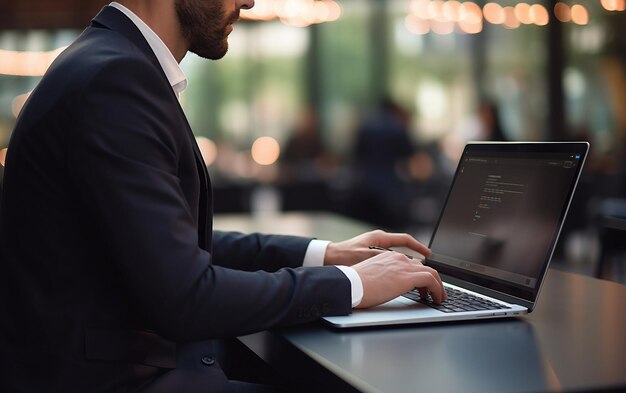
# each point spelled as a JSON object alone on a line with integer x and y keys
{"x": 423, "y": 293}
{"x": 355, "y": 250}
{"x": 381, "y": 250}
{"x": 438, "y": 278}
{"x": 427, "y": 284}
{"x": 427, "y": 280}
{"x": 400, "y": 240}
{"x": 390, "y": 274}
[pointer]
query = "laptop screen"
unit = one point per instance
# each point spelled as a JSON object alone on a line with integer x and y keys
{"x": 504, "y": 212}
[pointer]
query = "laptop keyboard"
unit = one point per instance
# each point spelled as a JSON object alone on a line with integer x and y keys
{"x": 458, "y": 301}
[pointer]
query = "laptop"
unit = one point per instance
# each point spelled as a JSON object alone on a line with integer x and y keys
{"x": 495, "y": 235}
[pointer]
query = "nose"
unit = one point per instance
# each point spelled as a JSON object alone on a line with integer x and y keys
{"x": 245, "y": 4}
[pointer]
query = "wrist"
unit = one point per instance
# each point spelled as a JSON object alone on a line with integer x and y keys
{"x": 331, "y": 256}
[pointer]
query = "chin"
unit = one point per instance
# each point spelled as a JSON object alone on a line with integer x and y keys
{"x": 211, "y": 53}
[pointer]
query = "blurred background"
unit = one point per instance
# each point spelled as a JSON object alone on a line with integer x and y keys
{"x": 362, "y": 107}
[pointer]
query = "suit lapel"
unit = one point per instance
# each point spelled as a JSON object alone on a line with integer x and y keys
{"x": 205, "y": 214}
{"x": 113, "y": 19}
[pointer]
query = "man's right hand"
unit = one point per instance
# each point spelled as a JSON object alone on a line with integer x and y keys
{"x": 391, "y": 274}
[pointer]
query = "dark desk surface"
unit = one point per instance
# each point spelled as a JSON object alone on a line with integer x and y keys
{"x": 575, "y": 340}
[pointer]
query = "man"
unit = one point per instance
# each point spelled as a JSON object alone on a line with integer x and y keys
{"x": 113, "y": 277}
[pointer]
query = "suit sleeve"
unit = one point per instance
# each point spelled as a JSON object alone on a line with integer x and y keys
{"x": 257, "y": 251}
{"x": 124, "y": 154}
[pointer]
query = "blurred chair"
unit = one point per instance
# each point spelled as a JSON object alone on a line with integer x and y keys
{"x": 612, "y": 231}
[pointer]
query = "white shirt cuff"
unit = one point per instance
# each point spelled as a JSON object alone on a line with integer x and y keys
{"x": 314, "y": 256}
{"x": 315, "y": 253}
{"x": 355, "y": 283}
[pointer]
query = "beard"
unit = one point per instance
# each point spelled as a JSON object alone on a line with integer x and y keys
{"x": 204, "y": 25}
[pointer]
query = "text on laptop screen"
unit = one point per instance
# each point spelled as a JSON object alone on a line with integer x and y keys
{"x": 502, "y": 214}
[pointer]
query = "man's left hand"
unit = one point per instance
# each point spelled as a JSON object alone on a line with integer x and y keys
{"x": 357, "y": 249}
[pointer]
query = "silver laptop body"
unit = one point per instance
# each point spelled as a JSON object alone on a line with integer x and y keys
{"x": 496, "y": 232}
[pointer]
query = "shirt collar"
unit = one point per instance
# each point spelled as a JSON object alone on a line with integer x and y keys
{"x": 171, "y": 68}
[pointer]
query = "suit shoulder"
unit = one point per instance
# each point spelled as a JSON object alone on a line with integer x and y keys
{"x": 98, "y": 60}
{"x": 95, "y": 51}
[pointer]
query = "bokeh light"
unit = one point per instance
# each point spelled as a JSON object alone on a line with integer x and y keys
{"x": 539, "y": 15}
{"x": 443, "y": 16}
{"x": 419, "y": 8}
{"x": 297, "y": 13}
{"x": 26, "y": 63}
{"x": 510, "y": 19}
{"x": 265, "y": 150}
{"x": 494, "y": 13}
{"x": 435, "y": 10}
{"x": 580, "y": 15}
{"x": 18, "y": 103}
{"x": 471, "y": 12}
{"x": 3, "y": 156}
{"x": 442, "y": 28}
{"x": 208, "y": 149}
{"x": 522, "y": 12}
{"x": 470, "y": 27}
{"x": 416, "y": 25}
{"x": 452, "y": 10}
{"x": 562, "y": 12}
{"x": 613, "y": 5}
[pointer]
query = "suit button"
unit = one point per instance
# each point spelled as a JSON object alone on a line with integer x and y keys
{"x": 207, "y": 360}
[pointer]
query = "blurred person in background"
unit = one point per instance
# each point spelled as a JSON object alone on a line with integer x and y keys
{"x": 112, "y": 277}
{"x": 305, "y": 155}
{"x": 381, "y": 152}
{"x": 490, "y": 122}
{"x": 306, "y": 166}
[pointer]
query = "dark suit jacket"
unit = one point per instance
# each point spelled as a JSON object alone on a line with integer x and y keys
{"x": 110, "y": 269}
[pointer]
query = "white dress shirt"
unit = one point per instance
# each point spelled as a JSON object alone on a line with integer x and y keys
{"x": 317, "y": 248}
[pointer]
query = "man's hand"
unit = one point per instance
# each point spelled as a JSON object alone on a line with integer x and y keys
{"x": 358, "y": 249}
{"x": 391, "y": 274}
